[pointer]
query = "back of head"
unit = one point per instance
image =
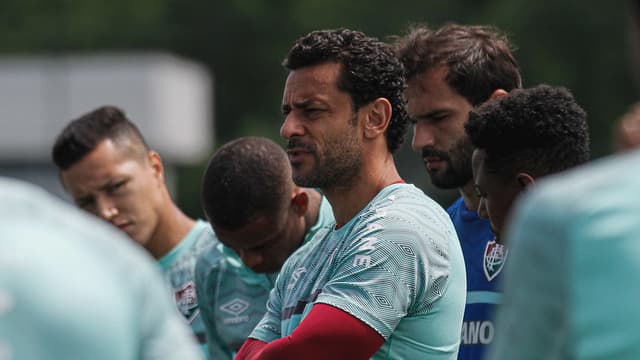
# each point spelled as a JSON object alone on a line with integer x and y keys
{"x": 479, "y": 58}
{"x": 83, "y": 134}
{"x": 540, "y": 130}
{"x": 246, "y": 178}
{"x": 370, "y": 70}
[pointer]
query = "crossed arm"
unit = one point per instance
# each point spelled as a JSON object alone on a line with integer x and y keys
{"x": 326, "y": 333}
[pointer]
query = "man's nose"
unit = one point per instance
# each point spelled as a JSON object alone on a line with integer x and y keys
{"x": 423, "y": 135}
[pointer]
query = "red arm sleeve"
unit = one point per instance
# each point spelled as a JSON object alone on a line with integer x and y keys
{"x": 326, "y": 333}
{"x": 250, "y": 349}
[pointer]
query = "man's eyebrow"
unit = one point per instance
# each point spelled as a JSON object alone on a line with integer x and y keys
{"x": 430, "y": 115}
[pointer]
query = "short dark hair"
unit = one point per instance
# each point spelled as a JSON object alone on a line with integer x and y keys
{"x": 369, "y": 71}
{"x": 245, "y": 178}
{"x": 479, "y": 58}
{"x": 540, "y": 130}
{"x": 82, "y": 135}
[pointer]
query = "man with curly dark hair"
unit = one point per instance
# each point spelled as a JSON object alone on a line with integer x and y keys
{"x": 387, "y": 279}
{"x": 520, "y": 137}
{"x": 571, "y": 290}
{"x": 450, "y": 71}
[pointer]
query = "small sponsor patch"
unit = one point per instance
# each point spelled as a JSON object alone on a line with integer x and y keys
{"x": 187, "y": 301}
{"x": 495, "y": 255}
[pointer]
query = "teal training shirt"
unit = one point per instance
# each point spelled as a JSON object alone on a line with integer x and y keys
{"x": 179, "y": 268}
{"x": 232, "y": 297}
{"x": 397, "y": 266}
{"x": 571, "y": 284}
{"x": 73, "y": 287}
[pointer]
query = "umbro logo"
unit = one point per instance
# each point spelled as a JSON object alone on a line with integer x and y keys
{"x": 235, "y": 307}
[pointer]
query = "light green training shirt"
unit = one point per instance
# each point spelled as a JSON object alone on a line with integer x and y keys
{"x": 232, "y": 297}
{"x": 73, "y": 287}
{"x": 179, "y": 266}
{"x": 397, "y": 266}
{"x": 571, "y": 284}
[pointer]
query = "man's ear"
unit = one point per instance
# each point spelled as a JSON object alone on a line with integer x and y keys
{"x": 155, "y": 162}
{"x": 525, "y": 180}
{"x": 300, "y": 202}
{"x": 378, "y": 115}
{"x": 498, "y": 93}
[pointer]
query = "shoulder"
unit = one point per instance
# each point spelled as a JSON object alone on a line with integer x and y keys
{"x": 405, "y": 208}
{"x": 210, "y": 260}
{"x": 456, "y": 207}
{"x": 587, "y": 190}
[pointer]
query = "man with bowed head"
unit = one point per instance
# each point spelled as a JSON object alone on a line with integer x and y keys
{"x": 387, "y": 280}
{"x": 260, "y": 217}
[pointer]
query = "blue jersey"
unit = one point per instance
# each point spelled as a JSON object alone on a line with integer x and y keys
{"x": 396, "y": 266}
{"x": 232, "y": 297}
{"x": 484, "y": 260}
{"x": 73, "y": 287}
{"x": 179, "y": 266}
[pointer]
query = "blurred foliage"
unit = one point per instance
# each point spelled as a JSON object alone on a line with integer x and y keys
{"x": 582, "y": 45}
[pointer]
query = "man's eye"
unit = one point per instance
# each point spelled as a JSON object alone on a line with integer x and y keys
{"x": 84, "y": 203}
{"x": 116, "y": 186}
{"x": 313, "y": 111}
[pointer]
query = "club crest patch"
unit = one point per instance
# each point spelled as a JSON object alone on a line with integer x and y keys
{"x": 187, "y": 301}
{"x": 495, "y": 255}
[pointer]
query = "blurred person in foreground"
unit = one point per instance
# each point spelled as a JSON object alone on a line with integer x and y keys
{"x": 74, "y": 288}
{"x": 260, "y": 217}
{"x": 387, "y": 280}
{"x": 109, "y": 170}
{"x": 519, "y": 138}
{"x": 450, "y": 71}
{"x": 575, "y": 262}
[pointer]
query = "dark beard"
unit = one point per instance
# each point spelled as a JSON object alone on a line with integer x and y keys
{"x": 458, "y": 171}
{"x": 337, "y": 166}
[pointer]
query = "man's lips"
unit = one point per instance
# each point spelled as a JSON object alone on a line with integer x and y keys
{"x": 296, "y": 154}
{"x": 124, "y": 226}
{"x": 433, "y": 162}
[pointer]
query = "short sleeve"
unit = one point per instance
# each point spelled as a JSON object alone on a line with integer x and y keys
{"x": 269, "y": 327}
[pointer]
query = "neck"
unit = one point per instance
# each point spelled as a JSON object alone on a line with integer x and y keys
{"x": 313, "y": 209}
{"x": 173, "y": 225}
{"x": 349, "y": 199}
{"x": 470, "y": 197}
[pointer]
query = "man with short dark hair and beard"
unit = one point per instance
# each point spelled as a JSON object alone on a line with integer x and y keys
{"x": 450, "y": 71}
{"x": 387, "y": 279}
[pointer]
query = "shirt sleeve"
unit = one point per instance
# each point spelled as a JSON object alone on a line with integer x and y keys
{"x": 530, "y": 322}
{"x": 269, "y": 327}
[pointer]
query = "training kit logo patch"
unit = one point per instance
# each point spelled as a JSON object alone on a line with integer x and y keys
{"x": 495, "y": 255}
{"x": 187, "y": 301}
{"x": 235, "y": 308}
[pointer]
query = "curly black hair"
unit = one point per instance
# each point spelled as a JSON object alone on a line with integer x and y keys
{"x": 479, "y": 58}
{"x": 82, "y": 135}
{"x": 540, "y": 130}
{"x": 245, "y": 178}
{"x": 369, "y": 71}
